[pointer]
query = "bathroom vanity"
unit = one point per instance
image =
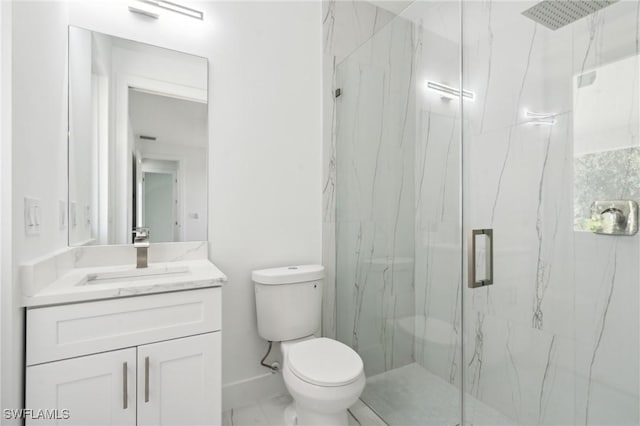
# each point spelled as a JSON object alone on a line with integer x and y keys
{"x": 113, "y": 344}
{"x": 122, "y": 327}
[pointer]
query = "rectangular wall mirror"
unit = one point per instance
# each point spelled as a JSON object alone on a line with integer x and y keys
{"x": 138, "y": 144}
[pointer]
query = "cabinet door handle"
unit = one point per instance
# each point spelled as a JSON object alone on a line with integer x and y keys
{"x": 125, "y": 387}
{"x": 146, "y": 379}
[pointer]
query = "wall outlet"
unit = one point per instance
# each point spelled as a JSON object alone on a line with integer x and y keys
{"x": 32, "y": 216}
{"x": 62, "y": 214}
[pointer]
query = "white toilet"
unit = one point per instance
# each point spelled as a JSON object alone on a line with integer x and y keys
{"x": 324, "y": 376}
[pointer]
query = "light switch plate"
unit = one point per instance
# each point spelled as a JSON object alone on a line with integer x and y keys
{"x": 73, "y": 215}
{"x": 32, "y": 216}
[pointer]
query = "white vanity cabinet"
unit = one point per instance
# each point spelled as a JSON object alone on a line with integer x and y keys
{"x": 96, "y": 389}
{"x": 179, "y": 381}
{"x": 145, "y": 360}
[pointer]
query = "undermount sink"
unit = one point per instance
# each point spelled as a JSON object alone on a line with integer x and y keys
{"x": 134, "y": 274}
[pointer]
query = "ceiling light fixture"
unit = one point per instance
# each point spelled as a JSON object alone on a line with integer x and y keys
{"x": 450, "y": 92}
{"x": 143, "y": 10}
{"x": 174, "y": 7}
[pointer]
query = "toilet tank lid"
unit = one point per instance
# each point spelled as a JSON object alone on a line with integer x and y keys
{"x": 288, "y": 274}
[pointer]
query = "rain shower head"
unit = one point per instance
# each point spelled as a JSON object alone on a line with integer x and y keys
{"x": 555, "y": 14}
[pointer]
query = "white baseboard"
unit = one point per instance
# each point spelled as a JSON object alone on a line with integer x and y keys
{"x": 249, "y": 391}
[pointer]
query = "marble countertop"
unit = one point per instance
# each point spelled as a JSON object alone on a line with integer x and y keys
{"x": 72, "y": 286}
{"x": 64, "y": 277}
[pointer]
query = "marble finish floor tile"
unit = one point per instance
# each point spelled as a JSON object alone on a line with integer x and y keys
{"x": 412, "y": 396}
{"x": 405, "y": 396}
{"x": 361, "y": 415}
{"x": 270, "y": 412}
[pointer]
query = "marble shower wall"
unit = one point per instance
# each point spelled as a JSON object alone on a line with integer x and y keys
{"x": 594, "y": 180}
{"x": 555, "y": 340}
{"x": 346, "y": 26}
{"x": 393, "y": 309}
{"x": 605, "y": 138}
{"x": 437, "y": 218}
{"x": 375, "y": 149}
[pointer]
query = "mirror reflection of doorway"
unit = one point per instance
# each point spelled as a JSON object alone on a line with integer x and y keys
{"x": 167, "y": 136}
{"x": 130, "y": 101}
{"x": 160, "y": 199}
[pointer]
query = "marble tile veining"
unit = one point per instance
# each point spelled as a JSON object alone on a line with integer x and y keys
{"x": 347, "y": 25}
{"x": 271, "y": 412}
{"x": 375, "y": 131}
{"x": 62, "y": 277}
{"x": 412, "y": 396}
{"x": 76, "y": 287}
{"x": 542, "y": 345}
{"x": 608, "y": 175}
{"x": 37, "y": 273}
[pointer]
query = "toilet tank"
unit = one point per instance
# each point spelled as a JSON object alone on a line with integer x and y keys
{"x": 288, "y": 301}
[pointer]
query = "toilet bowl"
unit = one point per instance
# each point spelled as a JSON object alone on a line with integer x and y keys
{"x": 324, "y": 377}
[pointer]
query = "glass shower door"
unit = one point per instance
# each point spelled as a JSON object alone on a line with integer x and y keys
{"x": 480, "y": 143}
{"x": 398, "y": 218}
{"x": 552, "y": 328}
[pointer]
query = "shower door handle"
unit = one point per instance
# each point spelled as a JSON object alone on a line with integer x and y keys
{"x": 474, "y": 263}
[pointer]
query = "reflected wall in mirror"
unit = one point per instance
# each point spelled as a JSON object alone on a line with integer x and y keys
{"x": 138, "y": 144}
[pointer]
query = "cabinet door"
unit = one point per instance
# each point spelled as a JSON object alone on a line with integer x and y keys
{"x": 179, "y": 381}
{"x": 95, "y": 389}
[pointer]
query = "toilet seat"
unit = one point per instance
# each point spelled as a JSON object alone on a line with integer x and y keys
{"x": 324, "y": 362}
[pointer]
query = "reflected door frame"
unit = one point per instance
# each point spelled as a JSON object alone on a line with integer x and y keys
{"x": 123, "y": 191}
{"x": 178, "y": 173}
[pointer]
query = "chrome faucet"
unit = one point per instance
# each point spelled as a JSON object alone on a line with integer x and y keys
{"x": 141, "y": 243}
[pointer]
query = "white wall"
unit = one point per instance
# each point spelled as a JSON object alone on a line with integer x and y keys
{"x": 3, "y": 244}
{"x": 38, "y": 158}
{"x": 5, "y": 193}
{"x": 265, "y": 111}
{"x": 82, "y": 185}
{"x": 265, "y": 136}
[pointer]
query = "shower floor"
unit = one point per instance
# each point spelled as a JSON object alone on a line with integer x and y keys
{"x": 412, "y": 396}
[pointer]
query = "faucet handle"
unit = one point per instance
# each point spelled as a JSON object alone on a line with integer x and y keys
{"x": 141, "y": 231}
{"x": 141, "y": 235}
